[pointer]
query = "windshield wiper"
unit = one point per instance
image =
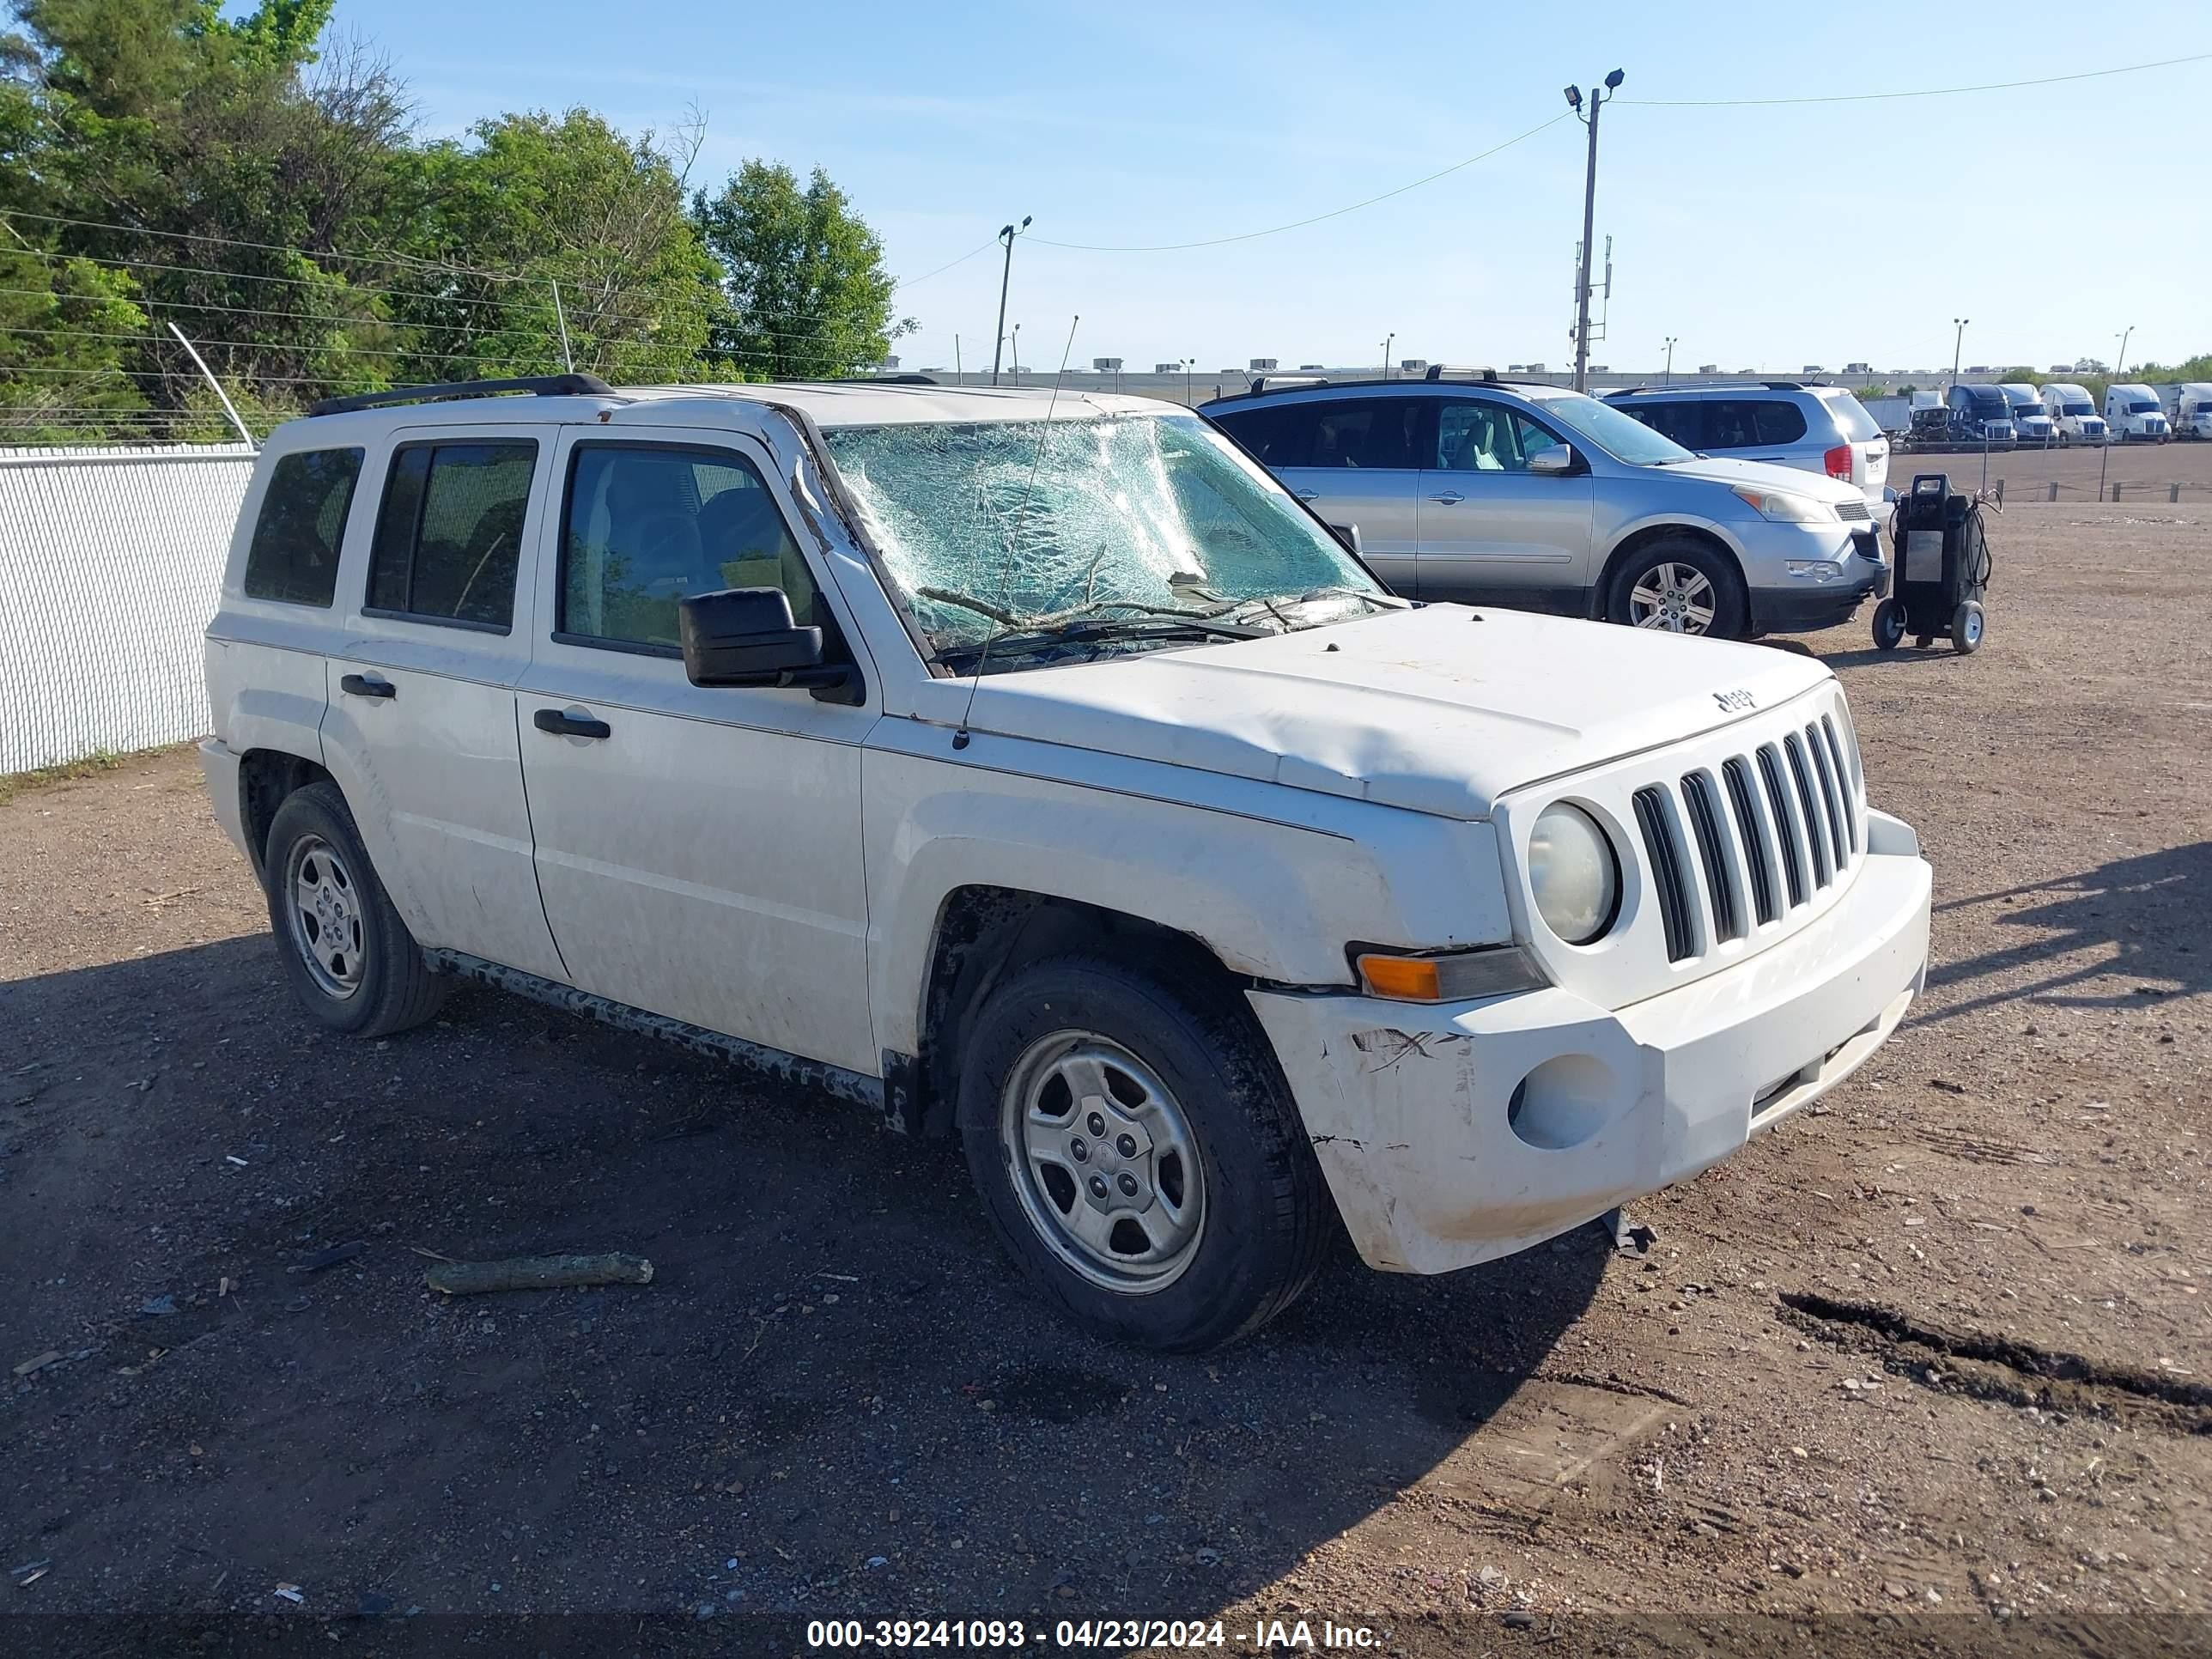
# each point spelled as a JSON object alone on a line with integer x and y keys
{"x": 1096, "y": 630}
{"x": 1272, "y": 603}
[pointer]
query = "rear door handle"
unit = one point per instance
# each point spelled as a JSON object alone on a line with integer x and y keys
{"x": 1450, "y": 498}
{"x": 1308, "y": 494}
{"x": 360, "y": 685}
{"x": 561, "y": 724}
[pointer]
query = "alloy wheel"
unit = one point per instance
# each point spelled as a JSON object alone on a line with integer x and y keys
{"x": 1677, "y": 597}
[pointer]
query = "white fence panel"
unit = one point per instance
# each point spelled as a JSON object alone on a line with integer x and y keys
{"x": 110, "y": 563}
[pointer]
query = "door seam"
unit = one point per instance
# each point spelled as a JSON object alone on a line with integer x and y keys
{"x": 528, "y": 823}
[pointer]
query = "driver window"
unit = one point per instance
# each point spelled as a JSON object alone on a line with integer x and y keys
{"x": 645, "y": 525}
{"x": 1479, "y": 437}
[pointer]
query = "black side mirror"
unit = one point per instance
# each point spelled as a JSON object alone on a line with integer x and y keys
{"x": 745, "y": 636}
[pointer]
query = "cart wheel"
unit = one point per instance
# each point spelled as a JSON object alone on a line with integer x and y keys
{"x": 1966, "y": 629}
{"x": 1888, "y": 625}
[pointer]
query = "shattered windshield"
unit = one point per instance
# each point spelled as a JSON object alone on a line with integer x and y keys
{"x": 1140, "y": 525}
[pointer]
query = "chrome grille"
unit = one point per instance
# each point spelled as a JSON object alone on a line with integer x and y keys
{"x": 1743, "y": 844}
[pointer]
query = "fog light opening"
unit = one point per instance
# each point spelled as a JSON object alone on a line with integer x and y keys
{"x": 1563, "y": 1102}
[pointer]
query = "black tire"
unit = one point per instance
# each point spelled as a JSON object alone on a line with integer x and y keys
{"x": 1966, "y": 629}
{"x": 1731, "y": 610}
{"x": 392, "y": 987}
{"x": 1889, "y": 625}
{"x": 1266, "y": 1213}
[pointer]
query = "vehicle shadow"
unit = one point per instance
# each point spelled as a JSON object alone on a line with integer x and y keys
{"x": 1940, "y": 651}
{"x": 2138, "y": 917}
{"x": 834, "y": 1396}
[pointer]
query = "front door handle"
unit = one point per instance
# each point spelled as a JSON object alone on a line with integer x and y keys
{"x": 1450, "y": 498}
{"x": 1308, "y": 494}
{"x": 563, "y": 724}
{"x": 360, "y": 685}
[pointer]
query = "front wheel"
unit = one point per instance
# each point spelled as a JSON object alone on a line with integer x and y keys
{"x": 1680, "y": 585}
{"x": 1138, "y": 1153}
{"x": 1966, "y": 629}
{"x": 1889, "y": 625}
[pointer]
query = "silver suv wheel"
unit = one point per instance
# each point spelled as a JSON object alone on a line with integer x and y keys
{"x": 1677, "y": 597}
{"x": 1103, "y": 1161}
{"x": 323, "y": 914}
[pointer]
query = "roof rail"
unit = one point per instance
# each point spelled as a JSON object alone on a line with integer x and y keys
{"x": 880, "y": 379}
{"x": 1438, "y": 371}
{"x": 545, "y": 385}
{"x": 1276, "y": 382}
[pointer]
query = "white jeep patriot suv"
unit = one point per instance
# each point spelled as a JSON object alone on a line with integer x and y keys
{"x": 1033, "y": 766}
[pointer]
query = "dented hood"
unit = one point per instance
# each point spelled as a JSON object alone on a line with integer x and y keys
{"x": 1440, "y": 709}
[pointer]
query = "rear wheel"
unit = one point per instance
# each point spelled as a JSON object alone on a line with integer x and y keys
{"x": 1966, "y": 629}
{"x": 1680, "y": 585}
{"x": 1888, "y": 624}
{"x": 351, "y": 962}
{"x": 1138, "y": 1153}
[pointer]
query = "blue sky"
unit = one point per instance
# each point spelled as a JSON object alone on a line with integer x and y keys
{"x": 1772, "y": 236}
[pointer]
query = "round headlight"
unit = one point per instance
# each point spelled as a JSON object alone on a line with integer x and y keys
{"x": 1573, "y": 873}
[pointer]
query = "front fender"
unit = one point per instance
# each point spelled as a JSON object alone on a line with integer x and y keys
{"x": 1276, "y": 882}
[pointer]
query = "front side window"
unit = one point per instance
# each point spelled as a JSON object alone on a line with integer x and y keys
{"x": 1484, "y": 437}
{"x": 991, "y": 526}
{"x": 449, "y": 537}
{"x": 294, "y": 556}
{"x": 645, "y": 525}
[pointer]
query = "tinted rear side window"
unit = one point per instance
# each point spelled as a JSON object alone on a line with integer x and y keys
{"x": 449, "y": 536}
{"x": 1751, "y": 424}
{"x": 294, "y": 556}
{"x": 1684, "y": 422}
{"x": 1858, "y": 427}
{"x": 1365, "y": 433}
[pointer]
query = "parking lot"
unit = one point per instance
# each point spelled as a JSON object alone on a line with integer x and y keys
{"x": 1937, "y": 1348}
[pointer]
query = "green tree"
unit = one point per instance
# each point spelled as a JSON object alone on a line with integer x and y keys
{"x": 224, "y": 163}
{"x": 808, "y": 296}
{"x": 65, "y": 327}
{"x": 533, "y": 201}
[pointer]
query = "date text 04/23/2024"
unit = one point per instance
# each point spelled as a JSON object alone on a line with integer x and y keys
{"x": 988, "y": 1634}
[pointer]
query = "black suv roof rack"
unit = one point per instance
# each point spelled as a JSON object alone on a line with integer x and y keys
{"x": 1277, "y": 382}
{"x": 1707, "y": 385}
{"x": 1438, "y": 371}
{"x": 545, "y": 385}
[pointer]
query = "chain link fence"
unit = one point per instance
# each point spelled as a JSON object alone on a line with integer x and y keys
{"x": 110, "y": 562}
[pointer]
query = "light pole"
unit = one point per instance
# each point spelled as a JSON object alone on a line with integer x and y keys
{"x": 1018, "y": 353}
{"x": 1388, "y": 341}
{"x": 1597, "y": 97}
{"x": 1006, "y": 234}
{"x": 1668, "y": 378}
{"x": 1188, "y": 364}
{"x": 1958, "y": 340}
{"x": 2120, "y": 368}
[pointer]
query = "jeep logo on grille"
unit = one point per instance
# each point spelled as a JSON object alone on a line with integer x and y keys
{"x": 1735, "y": 702}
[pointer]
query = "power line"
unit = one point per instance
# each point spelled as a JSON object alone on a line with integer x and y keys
{"x": 1300, "y": 224}
{"x": 1923, "y": 92}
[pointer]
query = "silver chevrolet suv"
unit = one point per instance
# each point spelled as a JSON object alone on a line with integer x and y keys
{"x": 1467, "y": 488}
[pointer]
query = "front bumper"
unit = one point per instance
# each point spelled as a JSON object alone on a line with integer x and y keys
{"x": 1783, "y": 604}
{"x": 1407, "y": 1105}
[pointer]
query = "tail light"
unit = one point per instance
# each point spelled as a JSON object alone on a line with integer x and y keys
{"x": 1838, "y": 462}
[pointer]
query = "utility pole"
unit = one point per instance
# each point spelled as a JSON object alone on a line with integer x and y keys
{"x": 1597, "y": 97}
{"x": 1957, "y": 340}
{"x": 1006, "y": 234}
{"x": 1668, "y": 378}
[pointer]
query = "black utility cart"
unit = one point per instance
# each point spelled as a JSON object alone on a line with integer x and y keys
{"x": 1942, "y": 569}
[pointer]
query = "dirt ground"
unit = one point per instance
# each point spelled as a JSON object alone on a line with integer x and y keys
{"x": 1928, "y": 1367}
